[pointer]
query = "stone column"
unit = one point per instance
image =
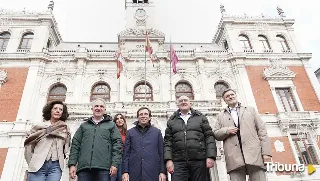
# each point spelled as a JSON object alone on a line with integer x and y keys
{"x": 164, "y": 81}
{"x": 205, "y": 94}
{"x": 313, "y": 79}
{"x": 244, "y": 87}
{"x": 13, "y": 166}
{"x": 30, "y": 93}
{"x": 78, "y": 86}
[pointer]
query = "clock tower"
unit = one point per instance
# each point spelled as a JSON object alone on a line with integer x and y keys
{"x": 140, "y": 14}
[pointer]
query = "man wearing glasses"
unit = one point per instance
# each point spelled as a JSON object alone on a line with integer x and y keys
{"x": 189, "y": 144}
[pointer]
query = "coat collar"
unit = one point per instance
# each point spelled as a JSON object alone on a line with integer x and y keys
{"x": 194, "y": 112}
{"x": 240, "y": 110}
{"x": 106, "y": 118}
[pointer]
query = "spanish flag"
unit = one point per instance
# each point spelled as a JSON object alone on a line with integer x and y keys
{"x": 120, "y": 60}
{"x": 148, "y": 45}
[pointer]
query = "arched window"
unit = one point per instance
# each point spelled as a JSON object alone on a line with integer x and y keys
{"x": 184, "y": 89}
{"x": 264, "y": 43}
{"x": 100, "y": 90}
{"x": 4, "y": 39}
{"x": 244, "y": 42}
{"x": 142, "y": 92}
{"x": 26, "y": 41}
{"x": 283, "y": 43}
{"x": 57, "y": 93}
{"x": 219, "y": 87}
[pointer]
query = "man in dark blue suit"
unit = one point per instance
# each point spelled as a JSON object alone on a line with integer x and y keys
{"x": 143, "y": 158}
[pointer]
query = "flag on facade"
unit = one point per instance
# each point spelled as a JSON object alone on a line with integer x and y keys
{"x": 120, "y": 60}
{"x": 174, "y": 59}
{"x": 149, "y": 49}
{"x": 148, "y": 45}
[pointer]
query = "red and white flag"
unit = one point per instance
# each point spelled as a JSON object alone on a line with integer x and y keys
{"x": 120, "y": 60}
{"x": 149, "y": 49}
{"x": 148, "y": 45}
{"x": 174, "y": 59}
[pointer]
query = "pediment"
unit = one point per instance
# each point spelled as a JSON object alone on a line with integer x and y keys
{"x": 279, "y": 73}
{"x": 140, "y": 32}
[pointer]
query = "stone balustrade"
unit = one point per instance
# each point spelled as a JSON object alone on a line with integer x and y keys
{"x": 160, "y": 109}
{"x": 293, "y": 122}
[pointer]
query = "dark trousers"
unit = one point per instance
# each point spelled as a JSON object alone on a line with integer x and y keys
{"x": 190, "y": 171}
{"x": 93, "y": 175}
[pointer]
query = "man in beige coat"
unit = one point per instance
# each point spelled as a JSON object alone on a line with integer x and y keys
{"x": 245, "y": 140}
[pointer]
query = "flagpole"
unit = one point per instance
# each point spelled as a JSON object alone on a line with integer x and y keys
{"x": 119, "y": 49}
{"x": 145, "y": 70}
{"x": 119, "y": 89}
{"x": 170, "y": 72}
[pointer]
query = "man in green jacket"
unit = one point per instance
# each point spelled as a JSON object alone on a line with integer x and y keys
{"x": 96, "y": 148}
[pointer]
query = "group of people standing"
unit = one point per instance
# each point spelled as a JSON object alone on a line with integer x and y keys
{"x": 102, "y": 149}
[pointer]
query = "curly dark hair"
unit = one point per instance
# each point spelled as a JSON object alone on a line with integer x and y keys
{"x": 124, "y": 127}
{"x": 46, "y": 111}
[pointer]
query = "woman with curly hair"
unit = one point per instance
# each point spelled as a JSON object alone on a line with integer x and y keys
{"x": 121, "y": 123}
{"x": 47, "y": 144}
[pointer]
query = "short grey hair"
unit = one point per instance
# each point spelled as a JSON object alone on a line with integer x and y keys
{"x": 98, "y": 99}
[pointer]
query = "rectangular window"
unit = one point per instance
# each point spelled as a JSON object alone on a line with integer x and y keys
{"x": 305, "y": 149}
{"x": 286, "y": 99}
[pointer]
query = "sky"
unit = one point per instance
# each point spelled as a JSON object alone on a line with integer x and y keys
{"x": 182, "y": 20}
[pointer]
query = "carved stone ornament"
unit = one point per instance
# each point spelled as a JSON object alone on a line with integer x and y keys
{"x": 278, "y": 145}
{"x": 3, "y": 77}
{"x": 300, "y": 123}
{"x": 60, "y": 64}
{"x": 6, "y": 21}
{"x": 277, "y": 71}
{"x": 141, "y": 32}
{"x": 141, "y": 17}
{"x": 220, "y": 69}
{"x": 261, "y": 26}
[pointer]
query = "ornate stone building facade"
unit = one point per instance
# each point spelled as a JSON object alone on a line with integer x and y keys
{"x": 259, "y": 57}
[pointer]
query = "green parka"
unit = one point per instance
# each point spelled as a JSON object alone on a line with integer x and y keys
{"x": 96, "y": 145}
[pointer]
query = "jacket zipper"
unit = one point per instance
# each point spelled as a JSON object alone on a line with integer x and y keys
{"x": 185, "y": 137}
{"x": 94, "y": 135}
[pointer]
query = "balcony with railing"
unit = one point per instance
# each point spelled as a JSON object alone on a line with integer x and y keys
{"x": 23, "y": 50}
{"x": 295, "y": 121}
{"x": 159, "y": 109}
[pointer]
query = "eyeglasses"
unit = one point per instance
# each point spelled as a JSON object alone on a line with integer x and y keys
{"x": 183, "y": 100}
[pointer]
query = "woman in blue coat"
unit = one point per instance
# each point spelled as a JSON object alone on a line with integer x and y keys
{"x": 143, "y": 158}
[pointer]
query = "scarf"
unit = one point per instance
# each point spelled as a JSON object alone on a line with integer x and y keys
{"x": 38, "y": 132}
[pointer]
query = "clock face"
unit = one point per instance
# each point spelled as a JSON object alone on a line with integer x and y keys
{"x": 140, "y": 12}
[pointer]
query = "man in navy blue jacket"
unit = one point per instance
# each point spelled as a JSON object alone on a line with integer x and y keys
{"x": 143, "y": 158}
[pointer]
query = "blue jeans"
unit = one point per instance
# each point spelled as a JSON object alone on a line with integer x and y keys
{"x": 50, "y": 171}
{"x": 93, "y": 175}
{"x": 118, "y": 176}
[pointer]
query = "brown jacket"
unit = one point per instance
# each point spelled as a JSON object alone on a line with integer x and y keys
{"x": 38, "y": 143}
{"x": 254, "y": 138}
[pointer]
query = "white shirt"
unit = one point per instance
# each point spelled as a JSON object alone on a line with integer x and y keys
{"x": 234, "y": 115}
{"x": 185, "y": 117}
{"x": 97, "y": 121}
